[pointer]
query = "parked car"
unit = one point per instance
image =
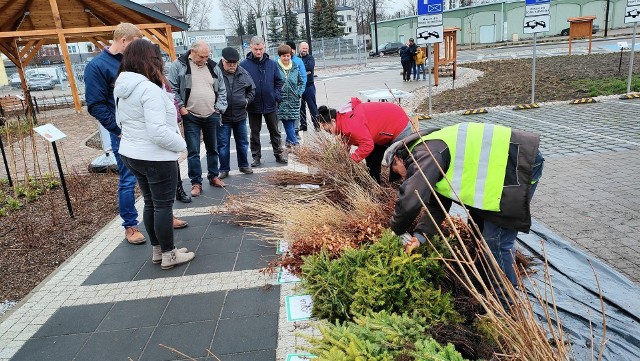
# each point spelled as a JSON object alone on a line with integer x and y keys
{"x": 594, "y": 29}
{"x": 41, "y": 82}
{"x": 386, "y": 49}
{"x": 14, "y": 81}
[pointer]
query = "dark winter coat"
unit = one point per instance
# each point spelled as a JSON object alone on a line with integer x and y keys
{"x": 267, "y": 80}
{"x": 239, "y": 95}
{"x": 292, "y": 89}
{"x": 514, "y": 204}
{"x": 100, "y": 76}
{"x": 405, "y": 54}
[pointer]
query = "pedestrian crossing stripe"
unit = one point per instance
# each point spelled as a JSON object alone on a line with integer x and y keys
{"x": 630, "y": 96}
{"x": 475, "y": 111}
{"x": 583, "y": 101}
{"x": 526, "y": 106}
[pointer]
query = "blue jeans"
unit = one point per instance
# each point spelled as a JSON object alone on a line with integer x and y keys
{"x": 309, "y": 99}
{"x": 126, "y": 188}
{"x": 158, "y": 181}
{"x": 421, "y": 71}
{"x": 209, "y": 127}
{"x": 241, "y": 137}
{"x": 413, "y": 68}
{"x": 290, "y": 130}
{"x": 501, "y": 241}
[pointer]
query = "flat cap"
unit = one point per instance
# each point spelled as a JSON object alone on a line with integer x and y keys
{"x": 230, "y": 54}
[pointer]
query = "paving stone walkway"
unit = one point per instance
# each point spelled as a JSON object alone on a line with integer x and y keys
{"x": 109, "y": 303}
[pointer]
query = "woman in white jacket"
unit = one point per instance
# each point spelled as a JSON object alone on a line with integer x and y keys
{"x": 150, "y": 144}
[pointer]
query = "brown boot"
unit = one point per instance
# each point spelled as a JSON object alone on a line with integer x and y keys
{"x": 196, "y": 189}
{"x": 179, "y": 223}
{"x": 133, "y": 235}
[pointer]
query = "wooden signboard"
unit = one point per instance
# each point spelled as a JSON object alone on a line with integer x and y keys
{"x": 580, "y": 28}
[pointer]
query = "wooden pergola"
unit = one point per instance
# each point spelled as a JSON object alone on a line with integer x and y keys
{"x": 27, "y": 25}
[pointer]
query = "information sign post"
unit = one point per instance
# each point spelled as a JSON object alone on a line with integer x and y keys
{"x": 632, "y": 15}
{"x": 536, "y": 20}
{"x": 430, "y": 30}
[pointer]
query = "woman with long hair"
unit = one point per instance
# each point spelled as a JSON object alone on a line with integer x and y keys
{"x": 150, "y": 144}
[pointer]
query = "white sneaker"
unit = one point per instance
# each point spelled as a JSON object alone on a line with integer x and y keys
{"x": 172, "y": 258}
{"x": 156, "y": 253}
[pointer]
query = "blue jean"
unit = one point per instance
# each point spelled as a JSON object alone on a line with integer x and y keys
{"x": 290, "y": 130}
{"x": 126, "y": 188}
{"x": 501, "y": 241}
{"x": 413, "y": 69}
{"x": 241, "y": 137}
{"x": 158, "y": 181}
{"x": 421, "y": 71}
{"x": 309, "y": 100}
{"x": 209, "y": 127}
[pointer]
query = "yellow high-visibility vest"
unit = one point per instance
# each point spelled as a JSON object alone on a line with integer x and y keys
{"x": 479, "y": 154}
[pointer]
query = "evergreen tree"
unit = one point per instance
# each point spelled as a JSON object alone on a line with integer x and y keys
{"x": 274, "y": 33}
{"x": 292, "y": 25}
{"x": 333, "y": 27}
{"x": 251, "y": 23}
{"x": 317, "y": 23}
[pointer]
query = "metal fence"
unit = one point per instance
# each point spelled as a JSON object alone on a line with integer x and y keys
{"x": 331, "y": 51}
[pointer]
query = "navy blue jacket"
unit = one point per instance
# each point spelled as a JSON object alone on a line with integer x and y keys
{"x": 405, "y": 54}
{"x": 99, "y": 78}
{"x": 309, "y": 65}
{"x": 266, "y": 77}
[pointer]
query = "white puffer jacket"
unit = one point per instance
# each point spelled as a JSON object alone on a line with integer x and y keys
{"x": 147, "y": 117}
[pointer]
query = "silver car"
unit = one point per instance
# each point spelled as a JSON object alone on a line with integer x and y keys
{"x": 41, "y": 82}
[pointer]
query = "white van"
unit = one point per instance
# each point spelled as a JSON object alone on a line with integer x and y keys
{"x": 57, "y": 73}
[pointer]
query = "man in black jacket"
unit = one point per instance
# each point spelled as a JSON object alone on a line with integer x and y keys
{"x": 240, "y": 92}
{"x": 491, "y": 169}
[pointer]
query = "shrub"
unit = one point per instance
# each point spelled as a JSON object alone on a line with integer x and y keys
{"x": 379, "y": 277}
{"x": 379, "y": 337}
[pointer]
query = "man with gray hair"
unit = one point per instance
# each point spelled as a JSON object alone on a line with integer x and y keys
{"x": 266, "y": 77}
{"x": 199, "y": 87}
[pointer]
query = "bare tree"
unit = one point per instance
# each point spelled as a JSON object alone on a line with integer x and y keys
{"x": 195, "y": 12}
{"x": 409, "y": 8}
{"x": 235, "y": 13}
{"x": 364, "y": 12}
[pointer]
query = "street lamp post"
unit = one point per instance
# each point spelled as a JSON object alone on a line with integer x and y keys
{"x": 375, "y": 23}
{"x": 284, "y": 22}
{"x": 306, "y": 24}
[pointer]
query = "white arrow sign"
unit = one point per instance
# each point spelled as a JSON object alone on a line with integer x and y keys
{"x": 429, "y": 35}
{"x": 536, "y": 24}
{"x": 632, "y": 14}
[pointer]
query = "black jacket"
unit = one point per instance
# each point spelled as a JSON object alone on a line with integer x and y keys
{"x": 514, "y": 205}
{"x": 239, "y": 94}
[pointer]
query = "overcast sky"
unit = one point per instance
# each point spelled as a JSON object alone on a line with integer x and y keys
{"x": 218, "y": 22}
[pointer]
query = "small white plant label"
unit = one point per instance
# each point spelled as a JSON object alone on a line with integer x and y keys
{"x": 284, "y": 276}
{"x": 50, "y": 132}
{"x": 299, "y": 357}
{"x": 298, "y": 307}
{"x": 283, "y": 247}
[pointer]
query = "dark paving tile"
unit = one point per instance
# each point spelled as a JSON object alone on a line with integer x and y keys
{"x": 223, "y": 229}
{"x": 197, "y": 221}
{"x": 192, "y": 339}
{"x": 72, "y": 320}
{"x": 264, "y": 355}
{"x": 251, "y": 243}
{"x": 126, "y": 252}
{"x": 58, "y": 348}
{"x": 211, "y": 263}
{"x": 134, "y": 314}
{"x": 191, "y": 233}
{"x": 191, "y": 308}
{"x": 115, "y": 345}
{"x": 220, "y": 245}
{"x": 154, "y": 271}
{"x": 254, "y": 259}
{"x": 246, "y": 334}
{"x": 251, "y": 302}
{"x": 113, "y": 273}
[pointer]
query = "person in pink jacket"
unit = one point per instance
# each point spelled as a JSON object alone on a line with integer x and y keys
{"x": 371, "y": 127}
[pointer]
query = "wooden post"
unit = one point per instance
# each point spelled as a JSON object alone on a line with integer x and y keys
{"x": 65, "y": 55}
{"x": 172, "y": 48}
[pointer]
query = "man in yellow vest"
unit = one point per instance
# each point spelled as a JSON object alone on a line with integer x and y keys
{"x": 491, "y": 169}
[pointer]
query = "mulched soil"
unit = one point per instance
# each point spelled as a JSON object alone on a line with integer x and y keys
{"x": 39, "y": 237}
{"x": 36, "y": 239}
{"x": 508, "y": 82}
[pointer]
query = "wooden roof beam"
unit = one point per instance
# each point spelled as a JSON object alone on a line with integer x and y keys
{"x": 97, "y": 29}
{"x": 56, "y": 14}
{"x": 8, "y": 51}
{"x": 26, "y": 48}
{"x": 33, "y": 52}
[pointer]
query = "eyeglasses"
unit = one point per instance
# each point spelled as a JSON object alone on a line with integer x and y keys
{"x": 230, "y": 63}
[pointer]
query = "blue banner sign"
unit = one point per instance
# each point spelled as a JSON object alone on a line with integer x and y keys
{"x": 426, "y": 7}
{"x": 536, "y": 2}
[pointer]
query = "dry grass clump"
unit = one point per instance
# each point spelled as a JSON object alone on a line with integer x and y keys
{"x": 348, "y": 209}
